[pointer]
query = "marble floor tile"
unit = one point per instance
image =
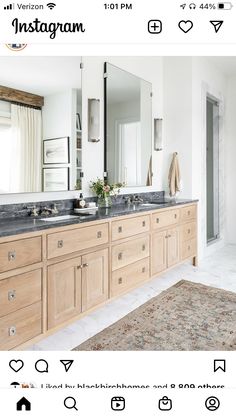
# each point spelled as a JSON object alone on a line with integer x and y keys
{"x": 217, "y": 270}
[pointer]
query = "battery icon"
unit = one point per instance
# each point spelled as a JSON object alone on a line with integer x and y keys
{"x": 225, "y": 6}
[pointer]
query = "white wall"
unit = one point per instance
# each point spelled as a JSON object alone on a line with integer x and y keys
{"x": 178, "y": 120}
{"x": 187, "y": 81}
{"x": 230, "y": 162}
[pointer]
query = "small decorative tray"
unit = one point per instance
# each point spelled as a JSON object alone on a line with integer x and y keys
{"x": 85, "y": 210}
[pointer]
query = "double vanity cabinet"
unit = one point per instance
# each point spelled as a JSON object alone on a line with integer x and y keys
{"x": 50, "y": 277}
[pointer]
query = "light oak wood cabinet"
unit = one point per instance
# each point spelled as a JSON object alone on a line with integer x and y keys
{"x": 129, "y": 252}
{"x": 64, "y": 291}
{"x": 67, "y": 242}
{"x": 20, "y": 291}
{"x": 21, "y": 326}
{"x": 76, "y": 285}
{"x": 18, "y": 253}
{"x": 94, "y": 279}
{"x": 51, "y": 278}
{"x": 130, "y": 227}
{"x": 165, "y": 250}
{"x": 130, "y": 276}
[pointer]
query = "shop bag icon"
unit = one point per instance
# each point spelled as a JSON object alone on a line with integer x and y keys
{"x": 165, "y": 404}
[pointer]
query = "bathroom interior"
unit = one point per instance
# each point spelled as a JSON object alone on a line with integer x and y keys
{"x": 117, "y": 203}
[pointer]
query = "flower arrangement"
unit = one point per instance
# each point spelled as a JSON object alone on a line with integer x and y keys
{"x": 104, "y": 191}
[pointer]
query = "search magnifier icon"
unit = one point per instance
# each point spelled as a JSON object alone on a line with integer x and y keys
{"x": 70, "y": 403}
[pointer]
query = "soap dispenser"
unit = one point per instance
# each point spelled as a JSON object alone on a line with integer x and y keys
{"x": 80, "y": 203}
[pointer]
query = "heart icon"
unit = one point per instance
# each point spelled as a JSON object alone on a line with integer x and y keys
{"x": 16, "y": 365}
{"x": 185, "y": 25}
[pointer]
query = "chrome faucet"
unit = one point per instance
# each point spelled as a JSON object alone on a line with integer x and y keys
{"x": 34, "y": 211}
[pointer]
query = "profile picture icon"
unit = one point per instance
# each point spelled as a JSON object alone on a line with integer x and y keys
{"x": 212, "y": 403}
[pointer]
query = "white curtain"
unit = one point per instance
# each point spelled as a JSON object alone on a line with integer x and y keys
{"x": 26, "y": 149}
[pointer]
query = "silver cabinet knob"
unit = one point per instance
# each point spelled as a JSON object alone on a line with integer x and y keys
{"x": 144, "y": 223}
{"x": 157, "y": 220}
{"x": 143, "y": 247}
{"x": 120, "y": 255}
{"x": 12, "y": 331}
{"x": 143, "y": 269}
{"x": 11, "y": 295}
{"x": 99, "y": 234}
{"x": 120, "y": 229}
{"x": 60, "y": 244}
{"x": 12, "y": 255}
{"x": 120, "y": 280}
{"x": 85, "y": 265}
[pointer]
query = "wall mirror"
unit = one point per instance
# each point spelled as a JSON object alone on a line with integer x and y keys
{"x": 40, "y": 124}
{"x": 128, "y": 128}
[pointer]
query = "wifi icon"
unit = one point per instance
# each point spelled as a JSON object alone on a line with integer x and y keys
{"x": 51, "y": 5}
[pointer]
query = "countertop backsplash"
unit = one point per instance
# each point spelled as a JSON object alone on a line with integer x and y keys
{"x": 9, "y": 211}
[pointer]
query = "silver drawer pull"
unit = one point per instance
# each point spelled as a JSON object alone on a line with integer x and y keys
{"x": 189, "y": 247}
{"x": 144, "y": 223}
{"x": 60, "y": 244}
{"x": 143, "y": 247}
{"x": 120, "y": 229}
{"x": 188, "y": 212}
{"x": 120, "y": 280}
{"x": 11, "y": 295}
{"x": 175, "y": 215}
{"x": 79, "y": 266}
{"x": 143, "y": 270}
{"x": 85, "y": 265}
{"x": 189, "y": 231}
{"x": 120, "y": 255}
{"x": 157, "y": 220}
{"x": 12, "y": 255}
{"x": 12, "y": 331}
{"x": 99, "y": 234}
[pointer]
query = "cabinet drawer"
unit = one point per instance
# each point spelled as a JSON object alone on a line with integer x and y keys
{"x": 67, "y": 242}
{"x": 188, "y": 231}
{"x": 19, "y": 291}
{"x": 188, "y": 249}
{"x": 20, "y": 253}
{"x": 18, "y": 327}
{"x": 165, "y": 219}
{"x": 189, "y": 213}
{"x": 129, "y": 252}
{"x": 129, "y": 227}
{"x": 129, "y": 276}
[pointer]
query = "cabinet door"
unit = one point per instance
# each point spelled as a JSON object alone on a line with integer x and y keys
{"x": 173, "y": 247}
{"x": 64, "y": 291}
{"x": 159, "y": 252}
{"x": 94, "y": 279}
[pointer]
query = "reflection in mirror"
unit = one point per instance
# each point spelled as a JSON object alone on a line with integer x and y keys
{"x": 128, "y": 128}
{"x": 40, "y": 124}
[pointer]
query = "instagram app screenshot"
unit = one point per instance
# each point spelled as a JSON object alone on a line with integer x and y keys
{"x": 117, "y": 209}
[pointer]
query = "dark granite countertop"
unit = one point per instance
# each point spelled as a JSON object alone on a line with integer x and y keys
{"x": 13, "y": 226}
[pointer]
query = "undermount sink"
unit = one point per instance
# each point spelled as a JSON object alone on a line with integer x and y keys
{"x": 147, "y": 204}
{"x": 59, "y": 218}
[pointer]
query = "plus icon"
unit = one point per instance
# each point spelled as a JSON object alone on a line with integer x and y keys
{"x": 155, "y": 26}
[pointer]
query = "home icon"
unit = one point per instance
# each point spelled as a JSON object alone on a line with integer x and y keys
{"x": 23, "y": 404}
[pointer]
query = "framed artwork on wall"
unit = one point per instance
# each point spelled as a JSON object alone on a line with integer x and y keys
{"x": 55, "y": 179}
{"x": 56, "y": 151}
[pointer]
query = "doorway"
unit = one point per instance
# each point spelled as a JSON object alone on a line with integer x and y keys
{"x": 212, "y": 169}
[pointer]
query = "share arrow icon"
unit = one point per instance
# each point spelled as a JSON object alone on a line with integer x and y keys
{"x": 67, "y": 363}
{"x": 217, "y": 24}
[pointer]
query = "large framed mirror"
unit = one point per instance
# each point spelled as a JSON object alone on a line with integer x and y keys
{"x": 40, "y": 124}
{"x": 128, "y": 127}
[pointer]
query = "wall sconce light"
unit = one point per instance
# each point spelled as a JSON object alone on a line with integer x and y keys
{"x": 94, "y": 120}
{"x": 158, "y": 137}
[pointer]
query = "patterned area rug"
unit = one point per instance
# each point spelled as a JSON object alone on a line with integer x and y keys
{"x": 185, "y": 317}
